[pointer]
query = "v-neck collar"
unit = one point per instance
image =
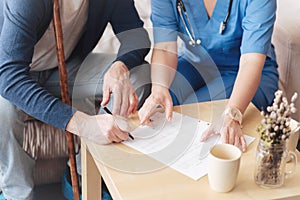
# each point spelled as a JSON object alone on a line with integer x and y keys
{"x": 219, "y": 12}
{"x": 208, "y": 17}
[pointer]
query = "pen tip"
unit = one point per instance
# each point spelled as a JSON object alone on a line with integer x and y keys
{"x": 131, "y": 136}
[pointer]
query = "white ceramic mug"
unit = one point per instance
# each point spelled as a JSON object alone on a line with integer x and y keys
{"x": 223, "y": 167}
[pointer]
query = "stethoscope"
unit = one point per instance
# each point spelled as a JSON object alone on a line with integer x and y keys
{"x": 188, "y": 26}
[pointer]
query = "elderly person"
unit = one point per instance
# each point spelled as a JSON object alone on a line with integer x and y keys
{"x": 29, "y": 79}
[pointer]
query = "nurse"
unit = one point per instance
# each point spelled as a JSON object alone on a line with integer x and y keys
{"x": 226, "y": 52}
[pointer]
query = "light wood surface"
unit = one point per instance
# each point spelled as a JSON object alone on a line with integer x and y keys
{"x": 116, "y": 164}
{"x": 91, "y": 179}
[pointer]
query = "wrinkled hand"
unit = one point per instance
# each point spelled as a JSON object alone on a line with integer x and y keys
{"x": 230, "y": 131}
{"x": 117, "y": 82}
{"x": 160, "y": 96}
{"x": 101, "y": 129}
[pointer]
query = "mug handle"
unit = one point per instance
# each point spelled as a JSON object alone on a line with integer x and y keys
{"x": 293, "y": 160}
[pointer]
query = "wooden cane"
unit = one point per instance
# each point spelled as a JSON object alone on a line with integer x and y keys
{"x": 65, "y": 93}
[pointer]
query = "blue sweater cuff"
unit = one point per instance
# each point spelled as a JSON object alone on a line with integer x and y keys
{"x": 133, "y": 58}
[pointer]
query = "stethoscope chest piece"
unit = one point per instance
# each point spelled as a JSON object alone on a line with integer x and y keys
{"x": 194, "y": 43}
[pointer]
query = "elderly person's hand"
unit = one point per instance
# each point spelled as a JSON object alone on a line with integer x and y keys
{"x": 117, "y": 82}
{"x": 230, "y": 131}
{"x": 101, "y": 129}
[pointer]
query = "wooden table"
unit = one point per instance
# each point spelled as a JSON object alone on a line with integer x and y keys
{"x": 167, "y": 183}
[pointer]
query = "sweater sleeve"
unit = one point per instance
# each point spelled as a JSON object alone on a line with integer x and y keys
{"x": 21, "y": 22}
{"x": 128, "y": 27}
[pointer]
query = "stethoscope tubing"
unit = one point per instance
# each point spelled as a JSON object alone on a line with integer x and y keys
{"x": 188, "y": 25}
{"x": 190, "y": 34}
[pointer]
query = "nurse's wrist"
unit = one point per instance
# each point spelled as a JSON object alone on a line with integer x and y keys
{"x": 234, "y": 114}
{"x": 157, "y": 88}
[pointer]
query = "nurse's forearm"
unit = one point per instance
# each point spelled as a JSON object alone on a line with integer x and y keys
{"x": 247, "y": 80}
{"x": 164, "y": 64}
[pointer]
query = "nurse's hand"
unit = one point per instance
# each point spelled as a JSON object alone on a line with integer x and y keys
{"x": 230, "y": 131}
{"x": 160, "y": 96}
{"x": 117, "y": 82}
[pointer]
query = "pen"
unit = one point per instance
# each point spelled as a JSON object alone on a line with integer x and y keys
{"x": 108, "y": 112}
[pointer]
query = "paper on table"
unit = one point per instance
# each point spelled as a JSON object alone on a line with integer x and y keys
{"x": 176, "y": 143}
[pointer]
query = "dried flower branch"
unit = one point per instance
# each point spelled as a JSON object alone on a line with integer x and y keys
{"x": 275, "y": 126}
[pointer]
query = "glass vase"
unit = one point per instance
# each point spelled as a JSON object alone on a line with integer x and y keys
{"x": 271, "y": 160}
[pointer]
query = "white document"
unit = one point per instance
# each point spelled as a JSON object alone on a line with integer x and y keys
{"x": 176, "y": 143}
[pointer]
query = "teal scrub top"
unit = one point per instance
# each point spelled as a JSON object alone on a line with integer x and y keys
{"x": 248, "y": 30}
